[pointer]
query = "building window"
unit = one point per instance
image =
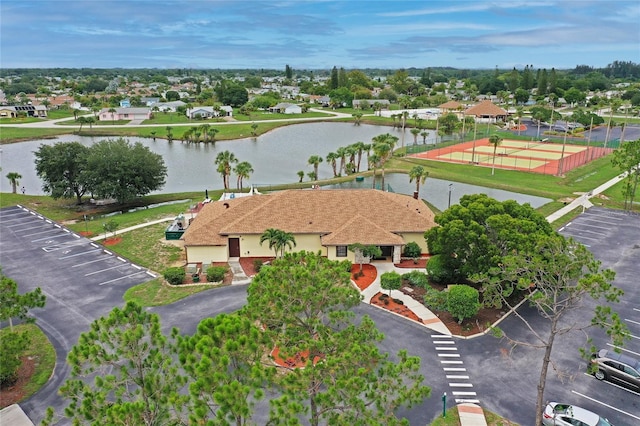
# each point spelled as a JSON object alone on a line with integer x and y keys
{"x": 341, "y": 251}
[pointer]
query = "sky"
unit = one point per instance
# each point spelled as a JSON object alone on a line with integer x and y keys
{"x": 320, "y": 34}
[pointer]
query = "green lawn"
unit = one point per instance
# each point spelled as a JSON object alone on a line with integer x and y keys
{"x": 156, "y": 293}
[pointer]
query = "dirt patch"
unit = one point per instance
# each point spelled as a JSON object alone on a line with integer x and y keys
{"x": 112, "y": 241}
{"x": 15, "y": 393}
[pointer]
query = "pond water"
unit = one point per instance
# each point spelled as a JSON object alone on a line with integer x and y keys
{"x": 276, "y": 158}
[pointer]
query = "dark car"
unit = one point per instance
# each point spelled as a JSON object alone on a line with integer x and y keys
{"x": 616, "y": 367}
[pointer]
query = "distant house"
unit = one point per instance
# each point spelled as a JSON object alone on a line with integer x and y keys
{"x": 124, "y": 114}
{"x": 209, "y": 112}
{"x": 13, "y": 111}
{"x": 487, "y": 112}
{"x": 149, "y": 101}
{"x": 125, "y": 103}
{"x": 325, "y": 220}
{"x": 168, "y": 106}
{"x": 286, "y": 108}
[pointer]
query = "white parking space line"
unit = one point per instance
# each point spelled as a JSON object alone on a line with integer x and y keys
{"x": 450, "y": 362}
{"x": 606, "y": 405}
{"x": 21, "y": 219}
{"x": 605, "y": 216}
{"x": 57, "y": 235}
{"x": 457, "y": 377}
{"x": 580, "y": 236}
{"x": 449, "y": 355}
{"x": 38, "y": 233}
{"x": 632, "y": 321}
{"x": 615, "y": 385}
{"x": 470, "y": 401}
{"x": 121, "y": 278}
{"x": 37, "y": 226}
{"x": 445, "y": 342}
{"x": 78, "y": 254}
{"x": 454, "y": 369}
{"x": 461, "y": 393}
{"x": 623, "y": 349}
{"x": 89, "y": 262}
{"x": 446, "y": 348}
{"x": 460, "y": 385}
{"x": 102, "y": 270}
{"x": 587, "y": 224}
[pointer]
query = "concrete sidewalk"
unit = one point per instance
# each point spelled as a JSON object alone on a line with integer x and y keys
{"x": 429, "y": 319}
{"x": 131, "y": 228}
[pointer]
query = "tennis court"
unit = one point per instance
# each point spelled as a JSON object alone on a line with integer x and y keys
{"x": 538, "y": 157}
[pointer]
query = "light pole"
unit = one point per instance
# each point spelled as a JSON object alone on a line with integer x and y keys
{"x": 450, "y": 188}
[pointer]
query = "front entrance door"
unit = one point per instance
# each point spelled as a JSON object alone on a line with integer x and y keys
{"x": 234, "y": 247}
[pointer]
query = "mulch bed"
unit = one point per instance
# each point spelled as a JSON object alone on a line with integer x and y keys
{"x": 383, "y": 300}
{"x": 112, "y": 241}
{"x": 246, "y": 263}
{"x": 14, "y": 393}
{"x": 369, "y": 274}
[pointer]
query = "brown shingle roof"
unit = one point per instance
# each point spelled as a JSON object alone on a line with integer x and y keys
{"x": 450, "y": 105}
{"x": 485, "y": 108}
{"x": 340, "y": 216}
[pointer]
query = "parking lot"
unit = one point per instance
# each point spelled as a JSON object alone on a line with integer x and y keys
{"x": 81, "y": 280}
{"x": 506, "y": 378}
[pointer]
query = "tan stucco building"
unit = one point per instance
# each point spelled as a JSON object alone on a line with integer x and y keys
{"x": 325, "y": 220}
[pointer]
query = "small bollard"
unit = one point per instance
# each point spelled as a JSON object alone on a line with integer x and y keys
{"x": 444, "y": 404}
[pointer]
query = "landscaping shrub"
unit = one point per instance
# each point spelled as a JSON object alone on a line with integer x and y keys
{"x": 435, "y": 299}
{"x": 257, "y": 265}
{"x": 417, "y": 278}
{"x": 391, "y": 281}
{"x": 216, "y": 273}
{"x": 463, "y": 302}
{"x": 175, "y": 275}
{"x": 437, "y": 271}
{"x": 12, "y": 346}
{"x": 412, "y": 250}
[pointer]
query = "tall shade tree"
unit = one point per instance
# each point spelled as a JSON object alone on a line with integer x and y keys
{"x": 14, "y": 180}
{"x": 243, "y": 170}
{"x": 315, "y": 161}
{"x": 304, "y": 302}
{"x": 419, "y": 174}
{"x": 125, "y": 371}
{"x": 121, "y": 170}
{"x": 495, "y": 141}
{"x": 61, "y": 167}
{"x": 476, "y": 233}
{"x": 224, "y": 161}
{"x": 224, "y": 361}
{"x": 564, "y": 273}
{"x": 627, "y": 159}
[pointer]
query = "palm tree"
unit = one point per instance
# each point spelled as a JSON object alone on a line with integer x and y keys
{"x": 169, "y": 134}
{"x": 300, "y": 176}
{"x": 254, "y": 127}
{"x": 424, "y": 135}
{"x": 224, "y": 160}
{"x": 331, "y": 158}
{"x": 212, "y": 132}
{"x": 112, "y": 111}
{"x": 415, "y": 132}
{"x": 342, "y": 155}
{"x": 315, "y": 161}
{"x": 204, "y": 129}
{"x": 382, "y": 150}
{"x": 357, "y": 116}
{"x": 271, "y": 236}
{"x": 14, "y": 179}
{"x": 82, "y": 120}
{"x": 419, "y": 174}
{"x": 359, "y": 147}
{"x": 494, "y": 140}
{"x": 243, "y": 170}
{"x": 278, "y": 240}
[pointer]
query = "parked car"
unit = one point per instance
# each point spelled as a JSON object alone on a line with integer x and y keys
{"x": 617, "y": 367}
{"x": 556, "y": 414}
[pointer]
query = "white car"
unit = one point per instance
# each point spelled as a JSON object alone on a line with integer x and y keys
{"x": 556, "y": 414}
